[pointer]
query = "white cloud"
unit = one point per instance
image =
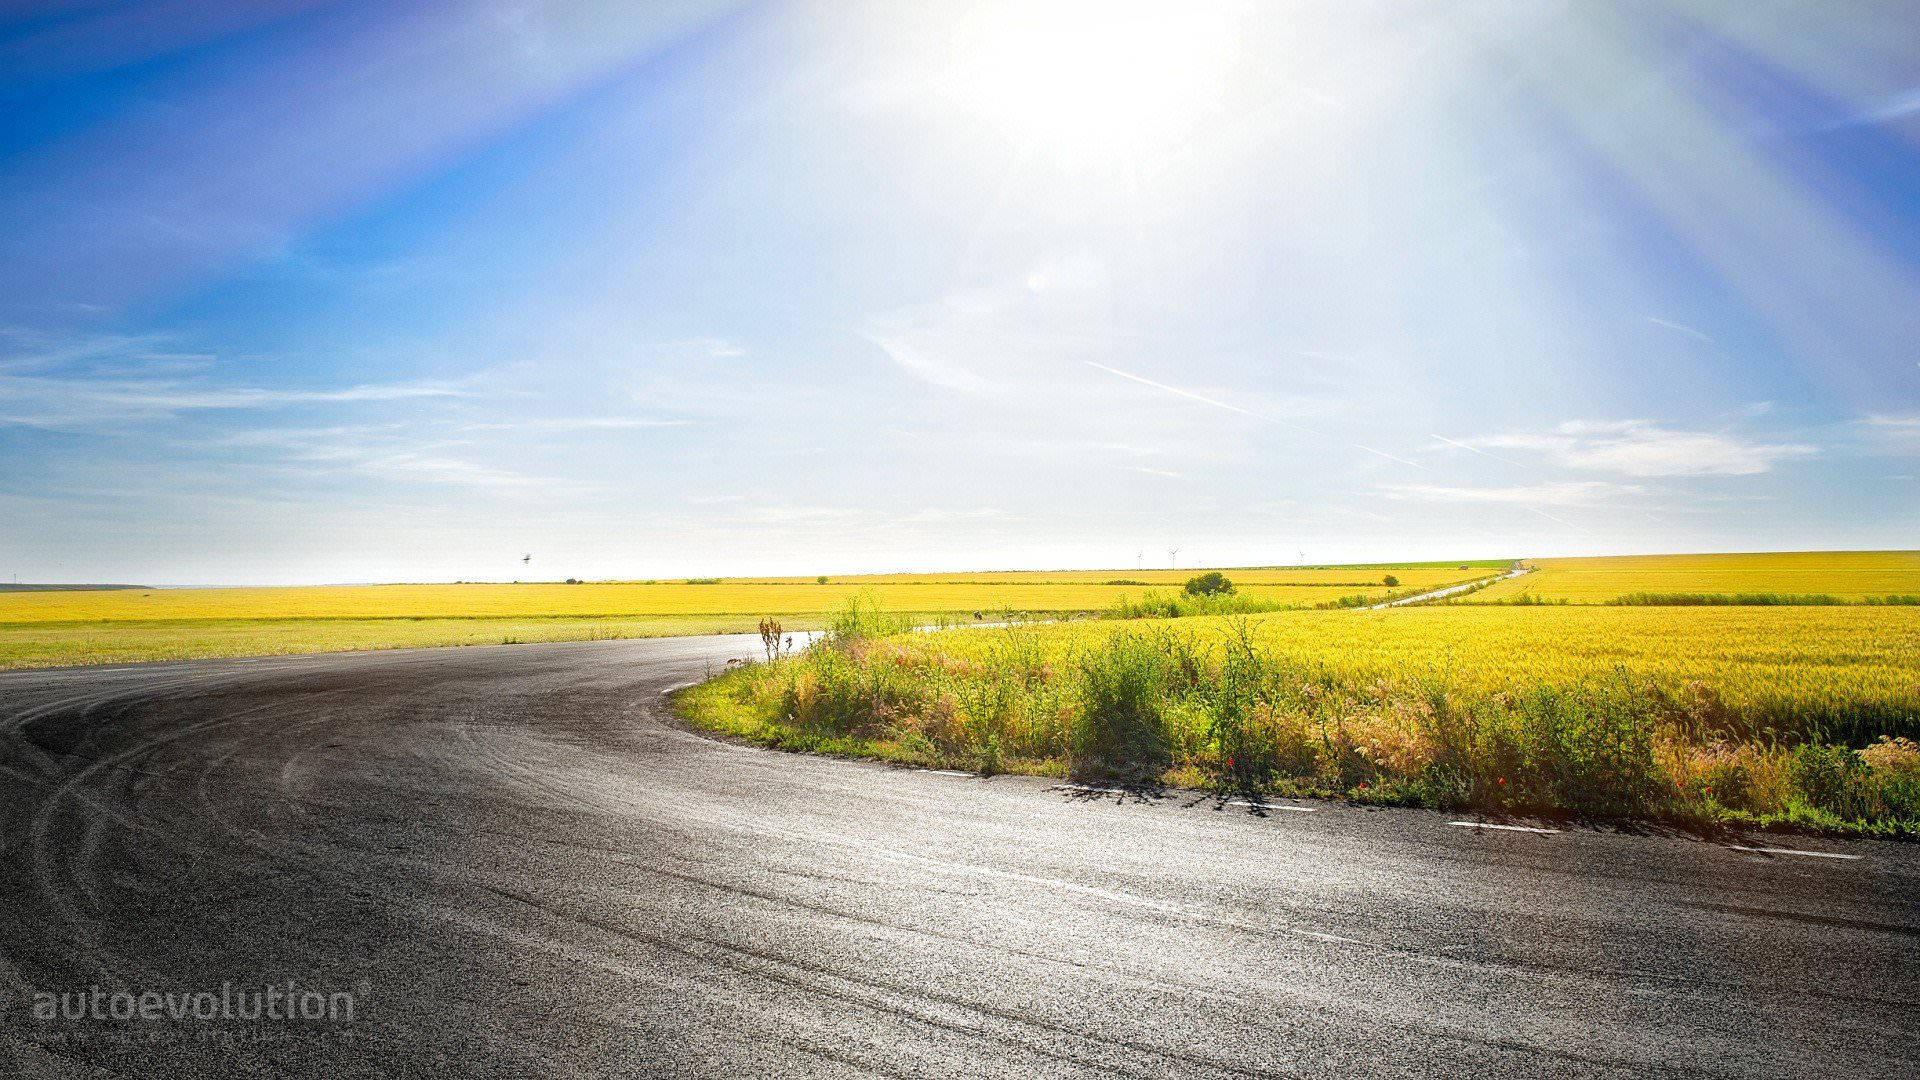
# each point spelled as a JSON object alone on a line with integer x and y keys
{"x": 1644, "y": 448}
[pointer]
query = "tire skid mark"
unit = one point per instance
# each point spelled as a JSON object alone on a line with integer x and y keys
{"x": 818, "y": 979}
{"x": 80, "y": 788}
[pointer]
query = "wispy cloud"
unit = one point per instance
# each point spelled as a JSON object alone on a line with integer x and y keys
{"x": 577, "y": 423}
{"x": 1892, "y": 431}
{"x": 1560, "y": 493}
{"x": 40, "y": 401}
{"x": 1894, "y": 107}
{"x": 1152, "y": 471}
{"x": 1645, "y": 448}
{"x": 717, "y": 348}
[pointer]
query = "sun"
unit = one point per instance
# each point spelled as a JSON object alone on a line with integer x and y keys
{"x": 1094, "y": 73}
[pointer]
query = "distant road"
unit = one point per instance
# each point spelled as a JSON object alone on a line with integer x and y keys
{"x": 1451, "y": 590}
{"x": 518, "y": 867}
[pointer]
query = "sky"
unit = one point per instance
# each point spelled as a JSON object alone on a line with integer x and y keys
{"x": 310, "y": 291}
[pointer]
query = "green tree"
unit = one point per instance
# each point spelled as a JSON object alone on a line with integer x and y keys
{"x": 1211, "y": 583}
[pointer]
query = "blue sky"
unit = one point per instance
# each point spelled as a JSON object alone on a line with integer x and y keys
{"x": 332, "y": 291}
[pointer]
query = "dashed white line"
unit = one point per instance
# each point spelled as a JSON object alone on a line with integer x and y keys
{"x": 950, "y": 772}
{"x": 1503, "y": 828}
{"x": 1795, "y": 851}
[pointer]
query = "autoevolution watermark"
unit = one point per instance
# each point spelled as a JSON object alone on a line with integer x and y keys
{"x": 287, "y": 1002}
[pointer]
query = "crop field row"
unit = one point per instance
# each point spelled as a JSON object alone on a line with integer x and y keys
{"x": 40, "y": 645}
{"x": 626, "y": 600}
{"x": 1412, "y": 574}
{"x": 1843, "y": 575}
{"x": 1779, "y": 667}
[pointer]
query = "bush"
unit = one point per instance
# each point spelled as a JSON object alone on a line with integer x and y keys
{"x": 1390, "y": 581}
{"x": 1211, "y": 583}
{"x": 1120, "y": 730}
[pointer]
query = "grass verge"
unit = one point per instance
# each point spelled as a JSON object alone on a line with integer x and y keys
{"x": 1218, "y": 709}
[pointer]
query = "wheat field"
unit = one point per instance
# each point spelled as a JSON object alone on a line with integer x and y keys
{"x": 960, "y": 593}
{"x": 1843, "y": 575}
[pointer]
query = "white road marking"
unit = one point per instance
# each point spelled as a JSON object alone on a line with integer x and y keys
{"x": 950, "y": 772}
{"x": 1275, "y": 806}
{"x": 1504, "y": 828}
{"x": 1795, "y": 851}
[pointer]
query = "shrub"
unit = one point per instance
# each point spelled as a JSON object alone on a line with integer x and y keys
{"x": 1120, "y": 730}
{"x": 1390, "y": 581}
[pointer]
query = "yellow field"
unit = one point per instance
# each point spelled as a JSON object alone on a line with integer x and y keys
{"x": 1847, "y": 575}
{"x": 1805, "y": 659}
{"x": 1077, "y": 591}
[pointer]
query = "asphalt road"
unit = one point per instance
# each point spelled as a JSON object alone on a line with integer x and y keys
{"x": 515, "y": 865}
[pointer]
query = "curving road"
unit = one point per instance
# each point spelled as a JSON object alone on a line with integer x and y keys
{"x": 516, "y": 865}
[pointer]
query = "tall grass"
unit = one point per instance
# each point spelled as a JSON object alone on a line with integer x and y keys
{"x": 1163, "y": 705}
{"x": 1159, "y": 605}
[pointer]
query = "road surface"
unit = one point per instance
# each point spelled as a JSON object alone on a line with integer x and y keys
{"x": 508, "y": 862}
{"x": 1451, "y": 590}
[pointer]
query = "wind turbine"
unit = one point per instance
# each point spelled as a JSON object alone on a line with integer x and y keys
{"x": 1173, "y": 556}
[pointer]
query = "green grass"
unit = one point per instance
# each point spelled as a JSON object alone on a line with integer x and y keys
{"x": 1156, "y": 705}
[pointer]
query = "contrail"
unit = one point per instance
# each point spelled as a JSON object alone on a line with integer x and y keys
{"x": 1191, "y": 396}
{"x": 1390, "y": 457}
{"x": 1477, "y": 450}
{"x": 1682, "y": 328}
{"x": 1550, "y": 517}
